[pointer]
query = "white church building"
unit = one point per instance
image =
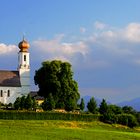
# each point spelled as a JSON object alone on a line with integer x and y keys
{"x": 16, "y": 83}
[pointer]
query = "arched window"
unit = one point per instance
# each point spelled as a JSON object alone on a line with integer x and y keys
{"x": 24, "y": 57}
{"x": 8, "y": 93}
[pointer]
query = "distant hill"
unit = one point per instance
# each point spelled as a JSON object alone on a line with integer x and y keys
{"x": 135, "y": 103}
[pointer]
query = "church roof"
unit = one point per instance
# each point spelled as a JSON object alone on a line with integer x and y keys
{"x": 9, "y": 78}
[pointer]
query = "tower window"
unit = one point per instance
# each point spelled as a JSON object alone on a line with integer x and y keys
{"x": 24, "y": 57}
{"x": 8, "y": 93}
{"x": 1, "y": 93}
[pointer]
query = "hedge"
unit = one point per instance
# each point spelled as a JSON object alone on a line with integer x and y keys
{"x": 18, "y": 115}
{"x": 124, "y": 119}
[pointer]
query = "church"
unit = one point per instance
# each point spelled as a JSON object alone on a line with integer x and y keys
{"x": 16, "y": 83}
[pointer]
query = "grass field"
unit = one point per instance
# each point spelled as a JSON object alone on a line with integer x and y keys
{"x": 64, "y": 130}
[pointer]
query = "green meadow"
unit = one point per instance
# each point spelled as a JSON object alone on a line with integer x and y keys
{"x": 64, "y": 130}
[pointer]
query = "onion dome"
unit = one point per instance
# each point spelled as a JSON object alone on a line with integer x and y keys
{"x": 23, "y": 46}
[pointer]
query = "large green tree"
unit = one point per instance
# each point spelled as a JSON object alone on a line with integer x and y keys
{"x": 56, "y": 77}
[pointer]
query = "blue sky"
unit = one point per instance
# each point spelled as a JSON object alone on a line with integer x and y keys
{"x": 100, "y": 38}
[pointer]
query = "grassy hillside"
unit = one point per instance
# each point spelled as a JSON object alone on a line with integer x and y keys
{"x": 64, "y": 130}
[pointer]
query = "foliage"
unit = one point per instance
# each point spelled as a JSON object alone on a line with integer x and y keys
{"x": 92, "y": 105}
{"x": 28, "y": 102}
{"x": 56, "y": 77}
{"x": 114, "y": 109}
{"x": 30, "y": 115}
{"x": 34, "y": 104}
{"x": 137, "y": 115}
{"x": 17, "y": 103}
{"x": 82, "y": 104}
{"x": 70, "y": 105}
{"x": 109, "y": 118}
{"x": 44, "y": 105}
{"x": 22, "y": 102}
{"x": 103, "y": 107}
{"x": 127, "y": 119}
{"x": 113, "y": 114}
{"x": 25, "y": 102}
{"x": 128, "y": 110}
{"x": 48, "y": 103}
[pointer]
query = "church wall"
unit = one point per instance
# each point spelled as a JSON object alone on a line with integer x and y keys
{"x": 9, "y": 94}
{"x": 25, "y": 80}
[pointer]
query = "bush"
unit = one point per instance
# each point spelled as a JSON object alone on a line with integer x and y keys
{"x": 138, "y": 117}
{"x": 127, "y": 119}
{"x": 25, "y": 102}
{"x": 109, "y": 118}
{"x": 17, "y": 103}
{"x": 26, "y": 115}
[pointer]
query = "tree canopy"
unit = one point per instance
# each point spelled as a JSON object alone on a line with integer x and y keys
{"x": 103, "y": 109}
{"x": 82, "y": 104}
{"x": 56, "y": 78}
{"x": 92, "y": 105}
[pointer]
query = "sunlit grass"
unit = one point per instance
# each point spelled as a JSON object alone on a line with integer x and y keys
{"x": 64, "y": 130}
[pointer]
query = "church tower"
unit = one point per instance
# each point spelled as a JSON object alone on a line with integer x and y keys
{"x": 24, "y": 66}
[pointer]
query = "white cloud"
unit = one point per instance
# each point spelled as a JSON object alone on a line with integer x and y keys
{"x": 132, "y": 32}
{"x": 57, "y": 48}
{"x": 83, "y": 30}
{"x": 118, "y": 41}
{"x": 7, "y": 49}
{"x": 99, "y": 25}
{"x": 98, "y": 49}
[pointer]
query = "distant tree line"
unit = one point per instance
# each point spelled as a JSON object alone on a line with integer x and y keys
{"x": 114, "y": 114}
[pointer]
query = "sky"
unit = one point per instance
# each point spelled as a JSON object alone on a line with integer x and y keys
{"x": 100, "y": 38}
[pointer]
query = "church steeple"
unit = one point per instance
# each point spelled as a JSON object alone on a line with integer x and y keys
{"x": 24, "y": 54}
{"x": 24, "y": 66}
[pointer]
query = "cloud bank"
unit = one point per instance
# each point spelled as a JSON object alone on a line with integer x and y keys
{"x": 7, "y": 49}
{"x": 97, "y": 48}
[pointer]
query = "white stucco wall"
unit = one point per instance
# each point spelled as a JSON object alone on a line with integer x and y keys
{"x": 25, "y": 80}
{"x": 14, "y": 93}
{"x": 23, "y": 63}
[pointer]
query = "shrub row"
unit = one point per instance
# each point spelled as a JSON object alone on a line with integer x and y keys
{"x": 124, "y": 119}
{"x": 16, "y": 115}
